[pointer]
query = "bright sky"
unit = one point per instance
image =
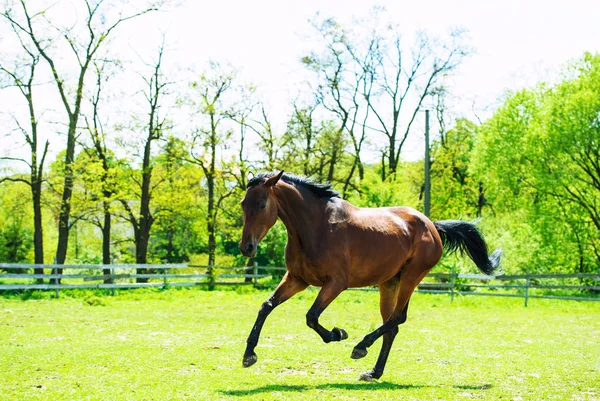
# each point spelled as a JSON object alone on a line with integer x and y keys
{"x": 517, "y": 42}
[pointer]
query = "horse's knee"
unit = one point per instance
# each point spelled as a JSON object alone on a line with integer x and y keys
{"x": 266, "y": 308}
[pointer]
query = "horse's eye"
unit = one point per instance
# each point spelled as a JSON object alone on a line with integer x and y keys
{"x": 263, "y": 206}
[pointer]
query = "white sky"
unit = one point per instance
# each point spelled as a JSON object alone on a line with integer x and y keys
{"x": 517, "y": 43}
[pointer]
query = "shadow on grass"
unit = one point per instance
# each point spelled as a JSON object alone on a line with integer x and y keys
{"x": 340, "y": 386}
{"x": 476, "y": 387}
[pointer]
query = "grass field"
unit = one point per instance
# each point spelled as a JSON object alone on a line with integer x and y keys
{"x": 188, "y": 345}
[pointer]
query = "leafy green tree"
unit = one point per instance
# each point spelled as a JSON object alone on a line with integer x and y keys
{"x": 22, "y": 77}
{"x": 539, "y": 154}
{"x": 37, "y": 35}
{"x": 213, "y": 105}
{"x": 154, "y": 128}
{"x": 180, "y": 204}
{"x": 15, "y": 235}
{"x": 455, "y": 191}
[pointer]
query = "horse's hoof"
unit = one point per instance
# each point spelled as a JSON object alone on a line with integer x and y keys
{"x": 339, "y": 334}
{"x": 366, "y": 377}
{"x": 358, "y": 353}
{"x": 249, "y": 360}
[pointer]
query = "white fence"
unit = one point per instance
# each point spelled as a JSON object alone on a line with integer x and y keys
{"x": 15, "y": 277}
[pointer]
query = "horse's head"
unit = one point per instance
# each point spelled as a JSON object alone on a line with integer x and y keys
{"x": 260, "y": 213}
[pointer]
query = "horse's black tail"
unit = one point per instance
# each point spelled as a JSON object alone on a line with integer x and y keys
{"x": 464, "y": 237}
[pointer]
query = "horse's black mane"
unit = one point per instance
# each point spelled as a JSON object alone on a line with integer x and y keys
{"x": 319, "y": 189}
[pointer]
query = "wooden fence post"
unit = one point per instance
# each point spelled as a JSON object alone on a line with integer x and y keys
{"x": 112, "y": 273}
{"x": 526, "y": 291}
{"x": 255, "y": 273}
{"x": 112, "y": 280}
{"x": 452, "y": 288}
{"x": 211, "y": 278}
{"x": 56, "y": 282}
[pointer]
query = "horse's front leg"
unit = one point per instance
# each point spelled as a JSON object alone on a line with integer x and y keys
{"x": 328, "y": 293}
{"x": 287, "y": 288}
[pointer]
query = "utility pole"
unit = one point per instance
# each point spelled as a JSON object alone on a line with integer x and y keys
{"x": 427, "y": 186}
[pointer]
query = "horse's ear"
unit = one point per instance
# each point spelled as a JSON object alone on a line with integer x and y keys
{"x": 250, "y": 175}
{"x": 273, "y": 180}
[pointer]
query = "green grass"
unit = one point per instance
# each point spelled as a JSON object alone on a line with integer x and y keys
{"x": 188, "y": 344}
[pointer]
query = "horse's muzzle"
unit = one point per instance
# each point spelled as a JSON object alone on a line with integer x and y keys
{"x": 248, "y": 249}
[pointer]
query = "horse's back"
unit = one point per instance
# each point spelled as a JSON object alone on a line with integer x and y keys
{"x": 382, "y": 240}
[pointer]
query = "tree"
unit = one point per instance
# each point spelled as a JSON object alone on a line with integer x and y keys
{"x": 315, "y": 147}
{"x": 15, "y": 233}
{"x": 212, "y": 107}
{"x": 28, "y": 27}
{"x": 404, "y": 79}
{"x": 155, "y": 128}
{"x": 103, "y": 183}
{"x": 340, "y": 79}
{"x": 455, "y": 190}
{"x": 567, "y": 161}
{"x": 269, "y": 142}
{"x": 300, "y": 139}
{"x": 375, "y": 85}
{"x": 22, "y": 76}
{"x": 539, "y": 153}
{"x": 180, "y": 205}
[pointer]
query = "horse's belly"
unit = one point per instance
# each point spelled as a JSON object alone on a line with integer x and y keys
{"x": 377, "y": 258}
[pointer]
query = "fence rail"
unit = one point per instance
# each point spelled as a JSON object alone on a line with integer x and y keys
{"x": 527, "y": 286}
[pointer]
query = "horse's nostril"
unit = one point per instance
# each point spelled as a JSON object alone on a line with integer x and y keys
{"x": 250, "y": 247}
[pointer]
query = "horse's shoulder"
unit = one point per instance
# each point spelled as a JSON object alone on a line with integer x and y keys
{"x": 339, "y": 211}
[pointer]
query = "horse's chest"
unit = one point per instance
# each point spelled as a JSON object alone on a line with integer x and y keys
{"x": 311, "y": 271}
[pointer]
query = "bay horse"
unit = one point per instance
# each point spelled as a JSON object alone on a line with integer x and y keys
{"x": 335, "y": 245}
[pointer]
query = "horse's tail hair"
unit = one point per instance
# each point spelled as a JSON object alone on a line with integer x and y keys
{"x": 464, "y": 237}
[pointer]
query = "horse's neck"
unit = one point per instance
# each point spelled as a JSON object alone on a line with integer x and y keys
{"x": 302, "y": 218}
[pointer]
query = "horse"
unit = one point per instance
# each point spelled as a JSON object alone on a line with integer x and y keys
{"x": 335, "y": 245}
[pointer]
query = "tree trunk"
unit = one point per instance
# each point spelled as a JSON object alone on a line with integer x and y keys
{"x": 170, "y": 247}
{"x": 212, "y": 245}
{"x": 211, "y": 220}
{"x": 332, "y": 163}
{"x": 210, "y": 178}
{"x": 65, "y": 206}
{"x": 249, "y": 270}
{"x": 145, "y": 221}
{"x": 38, "y": 233}
{"x": 392, "y": 162}
{"x": 349, "y": 177}
{"x": 481, "y": 202}
{"x": 106, "y": 259}
{"x": 141, "y": 252}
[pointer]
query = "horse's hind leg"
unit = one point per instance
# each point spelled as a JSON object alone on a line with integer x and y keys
{"x": 287, "y": 288}
{"x": 388, "y": 295}
{"x": 411, "y": 276}
{"x": 328, "y": 293}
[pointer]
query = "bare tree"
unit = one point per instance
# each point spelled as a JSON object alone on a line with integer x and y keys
{"x": 211, "y": 110}
{"x": 338, "y": 91}
{"x": 106, "y": 190}
{"x": 374, "y": 85}
{"x": 302, "y": 127}
{"x": 29, "y": 27}
{"x": 21, "y": 76}
{"x": 156, "y": 126}
{"x": 405, "y": 79}
{"x": 262, "y": 126}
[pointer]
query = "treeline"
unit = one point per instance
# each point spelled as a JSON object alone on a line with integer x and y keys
{"x": 163, "y": 184}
